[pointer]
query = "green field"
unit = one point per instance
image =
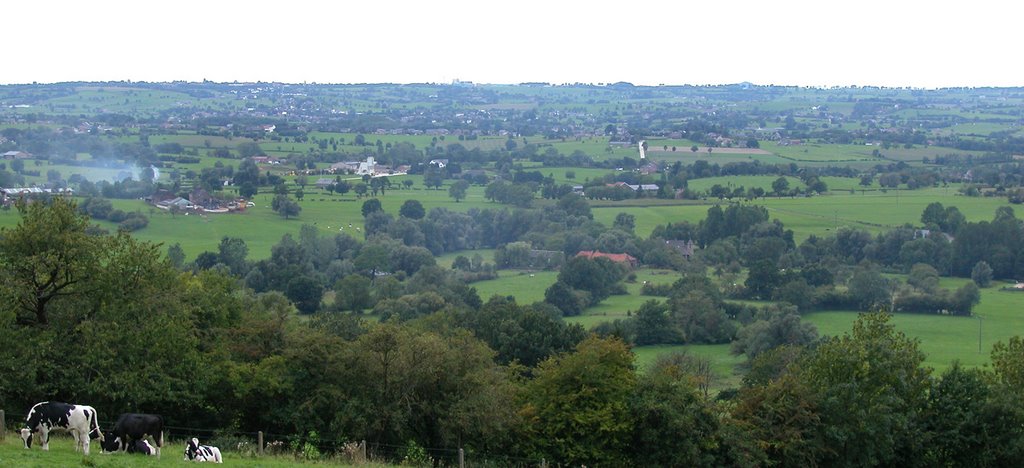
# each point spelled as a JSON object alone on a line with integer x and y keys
{"x": 526, "y": 286}
{"x": 747, "y": 182}
{"x": 945, "y": 339}
{"x": 62, "y": 454}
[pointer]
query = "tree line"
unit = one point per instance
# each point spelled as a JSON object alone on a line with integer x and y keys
{"x": 104, "y": 320}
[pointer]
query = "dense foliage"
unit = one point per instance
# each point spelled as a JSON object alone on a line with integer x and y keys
{"x": 104, "y": 320}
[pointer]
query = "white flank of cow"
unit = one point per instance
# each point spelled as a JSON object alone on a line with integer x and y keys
{"x": 79, "y": 420}
{"x": 201, "y": 453}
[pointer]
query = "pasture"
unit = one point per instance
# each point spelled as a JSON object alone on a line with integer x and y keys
{"x": 62, "y": 454}
{"x": 747, "y": 182}
{"x": 945, "y": 339}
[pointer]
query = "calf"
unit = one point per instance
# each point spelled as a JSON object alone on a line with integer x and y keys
{"x": 132, "y": 427}
{"x": 143, "y": 447}
{"x": 79, "y": 420}
{"x": 201, "y": 453}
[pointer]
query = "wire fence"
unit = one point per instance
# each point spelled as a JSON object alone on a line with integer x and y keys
{"x": 259, "y": 443}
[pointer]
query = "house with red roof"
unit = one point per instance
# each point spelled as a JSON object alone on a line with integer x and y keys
{"x": 623, "y": 258}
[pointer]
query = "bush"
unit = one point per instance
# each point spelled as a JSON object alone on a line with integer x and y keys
{"x": 134, "y": 223}
{"x": 116, "y": 216}
{"x": 651, "y": 289}
{"x": 228, "y": 442}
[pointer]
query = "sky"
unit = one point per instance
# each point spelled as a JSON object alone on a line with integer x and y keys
{"x": 896, "y": 43}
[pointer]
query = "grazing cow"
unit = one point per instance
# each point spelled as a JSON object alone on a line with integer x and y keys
{"x": 131, "y": 427}
{"x": 201, "y": 453}
{"x": 79, "y": 420}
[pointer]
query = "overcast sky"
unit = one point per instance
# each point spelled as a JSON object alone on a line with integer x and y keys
{"x": 812, "y": 43}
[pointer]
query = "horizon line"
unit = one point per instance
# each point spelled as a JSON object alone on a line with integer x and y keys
{"x": 455, "y": 82}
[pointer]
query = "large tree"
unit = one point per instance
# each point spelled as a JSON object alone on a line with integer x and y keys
{"x": 412, "y": 209}
{"x": 458, "y": 190}
{"x": 48, "y": 257}
{"x": 577, "y": 406}
{"x": 285, "y": 206}
{"x": 872, "y": 389}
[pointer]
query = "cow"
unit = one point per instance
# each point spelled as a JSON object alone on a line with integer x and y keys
{"x": 79, "y": 420}
{"x": 143, "y": 447}
{"x": 132, "y": 446}
{"x": 131, "y": 427}
{"x": 201, "y": 453}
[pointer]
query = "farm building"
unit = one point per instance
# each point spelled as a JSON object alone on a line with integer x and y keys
{"x": 17, "y": 155}
{"x": 622, "y": 258}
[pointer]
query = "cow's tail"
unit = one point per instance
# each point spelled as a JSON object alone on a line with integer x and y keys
{"x": 94, "y": 426}
{"x": 160, "y": 437}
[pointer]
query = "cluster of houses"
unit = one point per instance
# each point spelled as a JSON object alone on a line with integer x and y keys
{"x": 367, "y": 167}
{"x": 642, "y": 188}
{"x": 199, "y": 200}
{"x": 12, "y": 194}
{"x": 685, "y": 248}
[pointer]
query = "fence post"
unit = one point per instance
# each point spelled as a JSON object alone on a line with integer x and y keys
{"x": 3, "y": 426}
{"x": 462, "y": 458}
{"x": 362, "y": 450}
{"x": 543, "y": 463}
{"x": 259, "y": 440}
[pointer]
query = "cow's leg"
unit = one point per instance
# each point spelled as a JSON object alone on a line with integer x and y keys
{"x": 78, "y": 439}
{"x": 85, "y": 443}
{"x": 158, "y": 440}
{"x": 44, "y": 437}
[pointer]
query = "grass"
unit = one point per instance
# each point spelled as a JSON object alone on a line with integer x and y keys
{"x": 945, "y": 339}
{"x": 526, "y": 286}
{"x": 62, "y": 454}
{"x": 724, "y": 364}
{"x": 813, "y": 152}
{"x": 748, "y": 182}
{"x": 446, "y": 260}
{"x": 261, "y": 227}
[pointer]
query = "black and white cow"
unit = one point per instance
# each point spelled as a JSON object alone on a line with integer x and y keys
{"x": 201, "y": 453}
{"x": 143, "y": 447}
{"x": 79, "y": 420}
{"x": 134, "y": 446}
{"x": 132, "y": 427}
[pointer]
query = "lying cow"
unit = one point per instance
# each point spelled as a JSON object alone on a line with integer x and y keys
{"x": 201, "y": 453}
{"x": 133, "y": 427}
{"x": 79, "y": 420}
{"x": 143, "y": 447}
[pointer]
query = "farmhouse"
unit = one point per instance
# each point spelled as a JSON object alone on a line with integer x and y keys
{"x": 265, "y": 160}
{"x": 323, "y": 182}
{"x": 625, "y": 259}
{"x": 685, "y": 248}
{"x": 344, "y": 167}
{"x": 202, "y": 199}
{"x": 17, "y": 155}
{"x": 179, "y": 202}
{"x": 649, "y": 168}
{"x": 546, "y": 259}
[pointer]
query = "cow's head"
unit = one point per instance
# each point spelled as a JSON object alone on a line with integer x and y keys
{"x": 26, "y": 436}
{"x": 111, "y": 443}
{"x": 191, "y": 448}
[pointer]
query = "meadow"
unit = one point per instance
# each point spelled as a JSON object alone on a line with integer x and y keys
{"x": 62, "y": 454}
